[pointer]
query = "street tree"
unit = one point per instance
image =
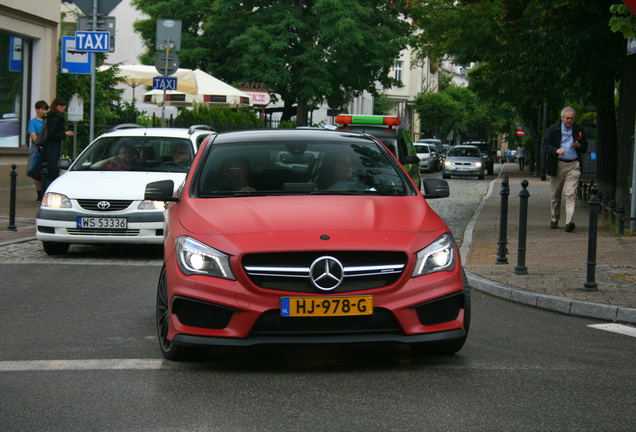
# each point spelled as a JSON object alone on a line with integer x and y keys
{"x": 534, "y": 52}
{"x": 306, "y": 51}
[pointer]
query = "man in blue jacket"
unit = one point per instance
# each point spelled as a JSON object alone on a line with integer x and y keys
{"x": 563, "y": 145}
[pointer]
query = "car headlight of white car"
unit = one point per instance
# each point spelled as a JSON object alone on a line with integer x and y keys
{"x": 56, "y": 200}
{"x": 151, "y": 205}
{"x": 438, "y": 256}
{"x": 478, "y": 164}
{"x": 195, "y": 257}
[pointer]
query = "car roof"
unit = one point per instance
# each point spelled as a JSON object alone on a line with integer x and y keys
{"x": 158, "y": 132}
{"x": 466, "y": 146}
{"x": 286, "y": 135}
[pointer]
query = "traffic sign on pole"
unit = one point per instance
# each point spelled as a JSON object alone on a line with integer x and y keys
{"x": 164, "y": 83}
{"x": 104, "y": 7}
{"x": 167, "y": 63}
{"x": 73, "y": 61}
{"x": 520, "y": 132}
{"x": 92, "y": 41}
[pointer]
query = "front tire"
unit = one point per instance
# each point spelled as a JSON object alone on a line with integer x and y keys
{"x": 169, "y": 350}
{"x": 55, "y": 248}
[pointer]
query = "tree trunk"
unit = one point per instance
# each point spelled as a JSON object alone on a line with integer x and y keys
{"x": 606, "y": 139}
{"x": 301, "y": 113}
{"x": 626, "y": 123}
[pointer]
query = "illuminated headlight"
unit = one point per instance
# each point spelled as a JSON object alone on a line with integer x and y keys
{"x": 56, "y": 200}
{"x": 151, "y": 205}
{"x": 448, "y": 163}
{"x": 438, "y": 256}
{"x": 195, "y": 257}
{"x": 477, "y": 164}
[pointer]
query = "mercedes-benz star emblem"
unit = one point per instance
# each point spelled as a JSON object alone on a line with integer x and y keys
{"x": 326, "y": 273}
{"x": 103, "y": 205}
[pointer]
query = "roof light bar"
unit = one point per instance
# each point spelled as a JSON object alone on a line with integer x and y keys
{"x": 348, "y": 119}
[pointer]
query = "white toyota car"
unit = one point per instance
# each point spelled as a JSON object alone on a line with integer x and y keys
{"x": 100, "y": 199}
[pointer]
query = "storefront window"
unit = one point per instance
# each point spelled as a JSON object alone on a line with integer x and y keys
{"x": 11, "y": 66}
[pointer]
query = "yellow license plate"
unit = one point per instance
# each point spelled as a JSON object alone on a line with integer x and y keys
{"x": 326, "y": 306}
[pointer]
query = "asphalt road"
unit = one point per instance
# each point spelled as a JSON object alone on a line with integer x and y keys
{"x": 80, "y": 353}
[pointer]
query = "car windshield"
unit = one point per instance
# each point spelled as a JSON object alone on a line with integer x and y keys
{"x": 136, "y": 154}
{"x": 307, "y": 168}
{"x": 463, "y": 152}
{"x": 421, "y": 148}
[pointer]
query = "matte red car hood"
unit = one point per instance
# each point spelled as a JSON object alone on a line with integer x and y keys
{"x": 247, "y": 222}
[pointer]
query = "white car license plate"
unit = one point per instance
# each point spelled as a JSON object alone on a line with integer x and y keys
{"x": 102, "y": 223}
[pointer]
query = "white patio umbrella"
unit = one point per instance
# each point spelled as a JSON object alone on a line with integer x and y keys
{"x": 135, "y": 75}
{"x": 210, "y": 91}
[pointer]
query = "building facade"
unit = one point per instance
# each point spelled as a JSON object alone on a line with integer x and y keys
{"x": 29, "y": 35}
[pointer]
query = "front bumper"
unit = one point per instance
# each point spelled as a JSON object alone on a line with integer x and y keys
{"x": 61, "y": 226}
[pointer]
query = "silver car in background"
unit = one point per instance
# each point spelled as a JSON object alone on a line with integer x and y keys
{"x": 464, "y": 160}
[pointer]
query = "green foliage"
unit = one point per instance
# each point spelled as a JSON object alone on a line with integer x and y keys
{"x": 307, "y": 51}
{"x": 381, "y": 104}
{"x": 286, "y": 125}
{"x": 219, "y": 118}
{"x": 623, "y": 20}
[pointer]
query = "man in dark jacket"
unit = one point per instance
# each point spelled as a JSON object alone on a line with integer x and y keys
{"x": 563, "y": 145}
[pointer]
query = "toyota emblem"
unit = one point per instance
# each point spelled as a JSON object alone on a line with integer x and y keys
{"x": 326, "y": 273}
{"x": 103, "y": 205}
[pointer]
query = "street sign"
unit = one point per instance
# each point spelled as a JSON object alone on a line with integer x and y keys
{"x": 104, "y": 23}
{"x": 92, "y": 41}
{"x": 104, "y": 7}
{"x": 164, "y": 83}
{"x": 520, "y": 132}
{"x": 168, "y": 35}
{"x": 74, "y": 61}
{"x": 75, "y": 109}
{"x": 167, "y": 60}
{"x": 15, "y": 56}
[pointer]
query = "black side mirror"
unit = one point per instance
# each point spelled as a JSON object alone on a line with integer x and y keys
{"x": 435, "y": 188}
{"x": 160, "y": 191}
{"x": 410, "y": 159}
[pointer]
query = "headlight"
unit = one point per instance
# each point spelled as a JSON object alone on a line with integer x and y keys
{"x": 56, "y": 200}
{"x": 477, "y": 164}
{"x": 448, "y": 163}
{"x": 438, "y": 256}
{"x": 151, "y": 205}
{"x": 195, "y": 257}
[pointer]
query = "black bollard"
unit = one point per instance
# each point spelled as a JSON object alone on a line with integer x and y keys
{"x": 14, "y": 176}
{"x": 521, "y": 268}
{"x": 621, "y": 219}
{"x": 590, "y": 284}
{"x": 502, "y": 250}
{"x": 612, "y": 211}
{"x": 44, "y": 175}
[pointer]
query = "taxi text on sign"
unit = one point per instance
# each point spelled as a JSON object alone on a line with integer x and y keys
{"x": 164, "y": 83}
{"x": 92, "y": 41}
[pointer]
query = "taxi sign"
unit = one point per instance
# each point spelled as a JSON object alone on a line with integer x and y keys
{"x": 92, "y": 41}
{"x": 164, "y": 83}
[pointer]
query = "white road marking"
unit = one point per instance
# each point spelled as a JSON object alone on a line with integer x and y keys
{"x": 616, "y": 328}
{"x": 65, "y": 365}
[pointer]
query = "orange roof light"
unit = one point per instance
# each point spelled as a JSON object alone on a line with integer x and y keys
{"x": 348, "y": 119}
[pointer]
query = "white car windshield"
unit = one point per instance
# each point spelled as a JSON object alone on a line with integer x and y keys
{"x": 136, "y": 154}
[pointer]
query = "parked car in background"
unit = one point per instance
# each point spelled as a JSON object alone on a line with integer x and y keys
{"x": 389, "y": 131}
{"x": 464, "y": 160}
{"x": 100, "y": 199}
{"x": 427, "y": 161}
{"x": 306, "y": 236}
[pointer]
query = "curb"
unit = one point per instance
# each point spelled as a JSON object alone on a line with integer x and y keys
{"x": 552, "y": 303}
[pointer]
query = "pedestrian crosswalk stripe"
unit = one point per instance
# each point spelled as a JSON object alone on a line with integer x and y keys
{"x": 616, "y": 328}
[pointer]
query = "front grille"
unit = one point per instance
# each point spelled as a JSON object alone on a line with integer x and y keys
{"x": 103, "y": 232}
{"x": 271, "y": 322}
{"x": 289, "y": 271}
{"x": 195, "y": 313}
{"x": 113, "y": 205}
{"x": 440, "y": 310}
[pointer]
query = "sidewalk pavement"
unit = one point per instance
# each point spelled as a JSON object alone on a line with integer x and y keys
{"x": 556, "y": 261}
